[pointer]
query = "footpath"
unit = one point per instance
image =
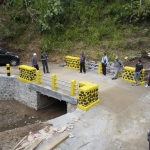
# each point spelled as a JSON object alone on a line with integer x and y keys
{"x": 120, "y": 121}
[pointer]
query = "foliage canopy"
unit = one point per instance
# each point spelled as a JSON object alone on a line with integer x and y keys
{"x": 61, "y": 21}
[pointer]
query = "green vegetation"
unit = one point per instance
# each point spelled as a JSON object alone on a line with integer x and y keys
{"x": 108, "y": 25}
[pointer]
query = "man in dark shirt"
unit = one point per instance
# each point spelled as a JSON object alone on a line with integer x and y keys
{"x": 44, "y": 58}
{"x": 82, "y": 63}
{"x": 138, "y": 70}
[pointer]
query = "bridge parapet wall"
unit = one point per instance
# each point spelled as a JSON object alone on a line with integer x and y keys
{"x": 72, "y": 62}
{"x": 88, "y": 95}
{"x": 128, "y": 75}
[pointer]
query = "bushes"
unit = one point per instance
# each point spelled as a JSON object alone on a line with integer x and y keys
{"x": 61, "y": 22}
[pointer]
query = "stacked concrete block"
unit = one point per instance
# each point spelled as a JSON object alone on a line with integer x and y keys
{"x": 88, "y": 95}
{"x": 27, "y": 73}
{"x": 97, "y": 66}
{"x": 128, "y": 75}
{"x": 73, "y": 62}
{"x": 27, "y": 96}
{"x": 110, "y": 68}
{"x": 7, "y": 87}
{"x": 92, "y": 65}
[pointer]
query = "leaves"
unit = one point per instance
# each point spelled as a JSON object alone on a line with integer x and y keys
{"x": 60, "y": 22}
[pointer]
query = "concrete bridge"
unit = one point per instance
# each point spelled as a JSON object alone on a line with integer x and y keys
{"x": 31, "y": 94}
{"x": 31, "y": 85}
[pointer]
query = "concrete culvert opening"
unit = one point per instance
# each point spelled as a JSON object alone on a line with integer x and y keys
{"x": 44, "y": 101}
{"x": 15, "y": 114}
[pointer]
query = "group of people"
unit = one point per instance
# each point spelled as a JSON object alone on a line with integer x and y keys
{"x": 44, "y": 59}
{"x": 117, "y": 66}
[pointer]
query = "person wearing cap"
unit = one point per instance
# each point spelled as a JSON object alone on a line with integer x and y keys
{"x": 35, "y": 61}
{"x": 104, "y": 64}
{"x": 82, "y": 63}
{"x": 117, "y": 65}
{"x": 138, "y": 70}
{"x": 44, "y": 58}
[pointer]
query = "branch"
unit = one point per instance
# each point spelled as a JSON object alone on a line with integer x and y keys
{"x": 31, "y": 15}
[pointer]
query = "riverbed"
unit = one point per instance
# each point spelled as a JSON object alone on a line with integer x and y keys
{"x": 13, "y": 114}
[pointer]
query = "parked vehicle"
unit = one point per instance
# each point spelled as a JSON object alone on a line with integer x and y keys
{"x": 7, "y": 57}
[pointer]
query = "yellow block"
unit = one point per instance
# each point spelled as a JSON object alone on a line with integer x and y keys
{"x": 72, "y": 62}
{"x": 132, "y": 69}
{"x": 88, "y": 95}
{"x": 88, "y": 88}
{"x": 99, "y": 68}
{"x": 38, "y": 77}
{"x": 128, "y": 75}
{"x": 26, "y": 67}
{"x": 73, "y": 88}
{"x": 24, "y": 80}
{"x": 89, "y": 106}
{"x": 71, "y": 57}
{"x": 54, "y": 81}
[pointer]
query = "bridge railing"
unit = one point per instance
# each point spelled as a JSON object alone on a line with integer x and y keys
{"x": 55, "y": 83}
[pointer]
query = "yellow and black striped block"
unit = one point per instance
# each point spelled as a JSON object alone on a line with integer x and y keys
{"x": 88, "y": 95}
{"x": 128, "y": 75}
{"x": 8, "y": 69}
{"x": 72, "y": 62}
{"x": 27, "y": 74}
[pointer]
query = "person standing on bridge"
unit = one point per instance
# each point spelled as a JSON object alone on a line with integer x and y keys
{"x": 82, "y": 63}
{"x": 104, "y": 64}
{"x": 138, "y": 70}
{"x": 117, "y": 66}
{"x": 44, "y": 58}
{"x": 34, "y": 61}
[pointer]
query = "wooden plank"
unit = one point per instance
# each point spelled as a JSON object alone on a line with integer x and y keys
{"x": 19, "y": 143}
{"x": 56, "y": 141}
{"x": 34, "y": 144}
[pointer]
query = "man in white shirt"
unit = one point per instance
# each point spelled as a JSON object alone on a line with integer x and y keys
{"x": 104, "y": 64}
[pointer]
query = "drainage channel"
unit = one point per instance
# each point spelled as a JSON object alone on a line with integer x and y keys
{"x": 13, "y": 114}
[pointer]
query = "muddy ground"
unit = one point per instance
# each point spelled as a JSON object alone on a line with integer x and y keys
{"x": 17, "y": 120}
{"x": 145, "y": 58}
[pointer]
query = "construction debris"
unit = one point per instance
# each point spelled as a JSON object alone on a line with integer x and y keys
{"x": 56, "y": 141}
{"x": 19, "y": 143}
{"x": 32, "y": 141}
